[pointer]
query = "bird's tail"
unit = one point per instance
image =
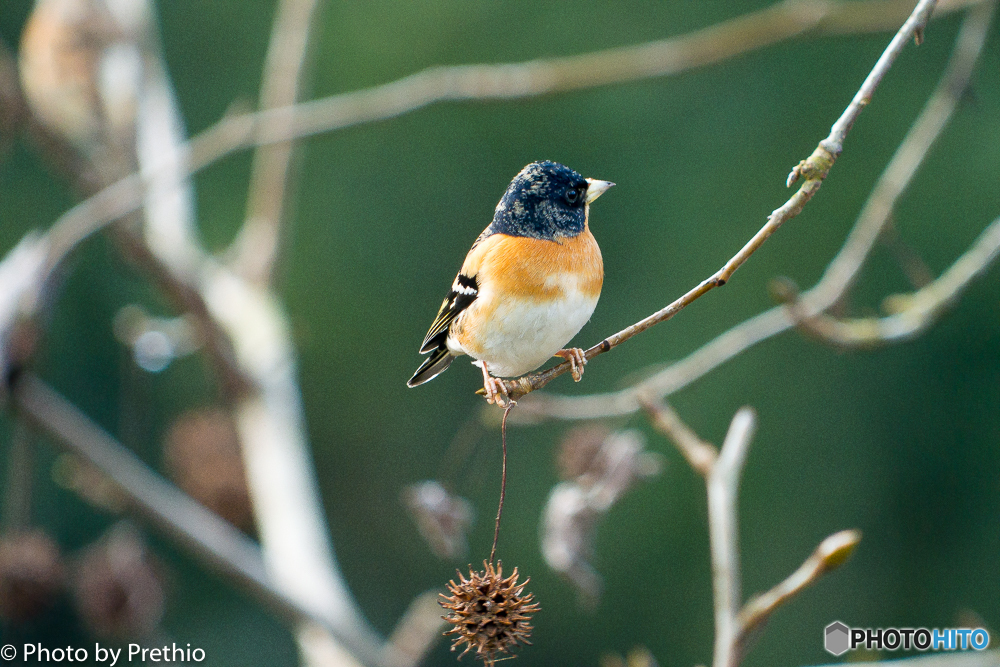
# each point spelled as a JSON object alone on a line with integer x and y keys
{"x": 433, "y": 365}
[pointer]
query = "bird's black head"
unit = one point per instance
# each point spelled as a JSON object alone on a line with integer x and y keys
{"x": 545, "y": 201}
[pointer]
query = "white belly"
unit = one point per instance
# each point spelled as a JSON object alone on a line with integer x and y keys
{"x": 524, "y": 334}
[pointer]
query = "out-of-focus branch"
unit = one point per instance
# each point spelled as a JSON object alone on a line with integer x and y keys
{"x": 483, "y": 82}
{"x": 700, "y": 455}
{"x": 915, "y": 312}
{"x": 830, "y": 148}
{"x": 839, "y": 274}
{"x": 773, "y": 24}
{"x": 735, "y": 627}
{"x": 723, "y": 491}
{"x": 211, "y": 538}
{"x": 246, "y": 331}
{"x": 257, "y": 245}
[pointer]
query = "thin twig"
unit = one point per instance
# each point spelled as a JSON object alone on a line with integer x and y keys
{"x": 256, "y": 247}
{"x": 839, "y": 273}
{"x": 913, "y": 28}
{"x": 898, "y": 174}
{"x": 723, "y": 491}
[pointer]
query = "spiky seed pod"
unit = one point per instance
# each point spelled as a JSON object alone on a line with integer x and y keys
{"x": 489, "y": 613}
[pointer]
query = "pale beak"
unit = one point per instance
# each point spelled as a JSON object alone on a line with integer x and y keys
{"x": 596, "y": 188}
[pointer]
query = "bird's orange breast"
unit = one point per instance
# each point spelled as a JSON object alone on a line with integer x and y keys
{"x": 527, "y": 268}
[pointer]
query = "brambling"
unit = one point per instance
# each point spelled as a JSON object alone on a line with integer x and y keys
{"x": 528, "y": 285}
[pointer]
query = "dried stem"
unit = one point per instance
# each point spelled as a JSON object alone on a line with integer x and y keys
{"x": 256, "y": 248}
{"x": 503, "y": 480}
{"x": 838, "y": 276}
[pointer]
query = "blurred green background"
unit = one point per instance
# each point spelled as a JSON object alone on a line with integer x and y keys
{"x": 902, "y": 442}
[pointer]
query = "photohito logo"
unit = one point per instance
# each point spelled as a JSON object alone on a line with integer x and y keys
{"x": 838, "y": 638}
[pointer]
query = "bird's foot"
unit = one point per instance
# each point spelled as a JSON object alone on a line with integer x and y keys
{"x": 577, "y": 361}
{"x": 495, "y": 388}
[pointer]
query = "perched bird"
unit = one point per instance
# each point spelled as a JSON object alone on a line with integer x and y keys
{"x": 528, "y": 285}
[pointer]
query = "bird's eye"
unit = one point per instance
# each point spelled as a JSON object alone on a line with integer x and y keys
{"x": 572, "y": 194}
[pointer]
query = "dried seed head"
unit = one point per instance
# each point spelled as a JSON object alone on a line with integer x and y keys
{"x": 579, "y": 450}
{"x": 489, "y": 613}
{"x": 442, "y": 518}
{"x": 31, "y": 574}
{"x": 117, "y": 586}
{"x": 202, "y": 452}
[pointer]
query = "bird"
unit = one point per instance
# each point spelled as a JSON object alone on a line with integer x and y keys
{"x": 528, "y": 285}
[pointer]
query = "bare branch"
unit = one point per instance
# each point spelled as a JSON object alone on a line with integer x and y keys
{"x": 829, "y": 555}
{"x": 915, "y": 312}
{"x": 256, "y": 247}
{"x": 723, "y": 491}
{"x": 913, "y": 28}
{"x": 838, "y": 275}
{"x": 877, "y": 211}
{"x": 699, "y": 454}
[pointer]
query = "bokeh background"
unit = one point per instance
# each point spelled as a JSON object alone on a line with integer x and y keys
{"x": 902, "y": 442}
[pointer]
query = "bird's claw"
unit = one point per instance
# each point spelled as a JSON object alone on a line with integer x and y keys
{"x": 495, "y": 388}
{"x": 577, "y": 361}
{"x": 496, "y": 392}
